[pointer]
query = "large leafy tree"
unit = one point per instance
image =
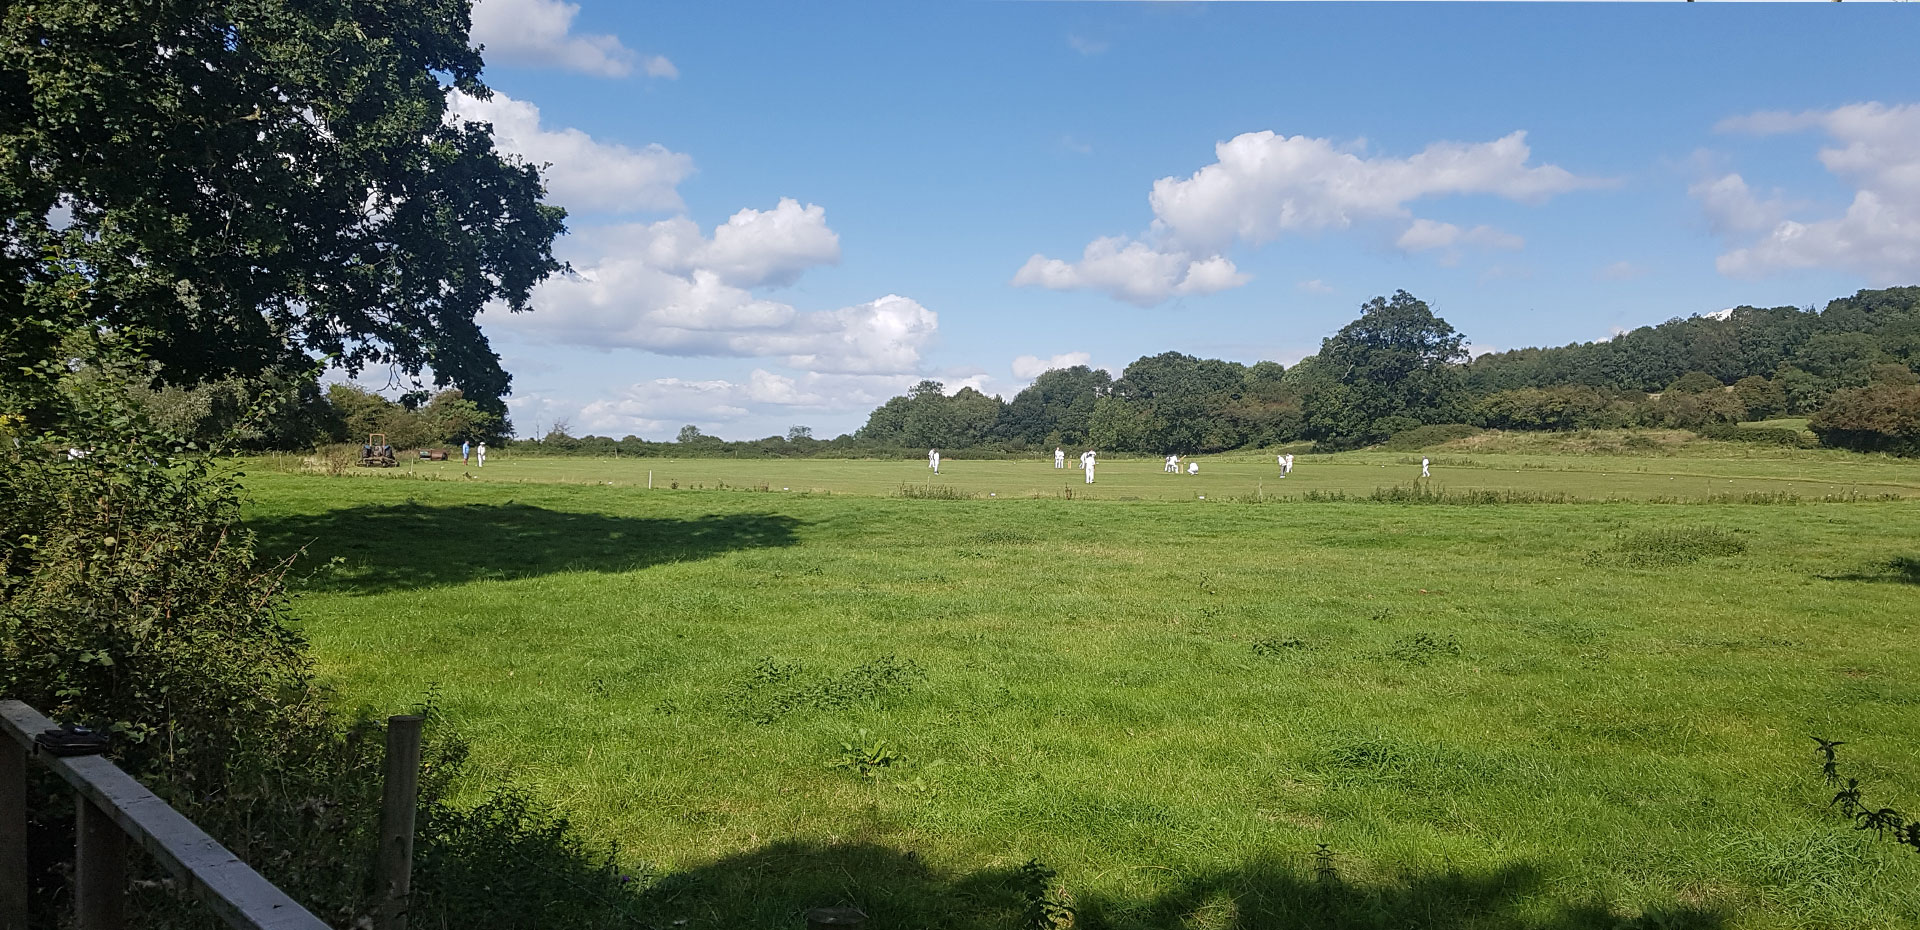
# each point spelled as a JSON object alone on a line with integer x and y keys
{"x": 1397, "y": 363}
{"x": 1056, "y": 408}
{"x": 244, "y": 185}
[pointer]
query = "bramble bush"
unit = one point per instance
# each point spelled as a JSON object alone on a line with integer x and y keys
{"x": 132, "y": 600}
{"x": 1881, "y": 417}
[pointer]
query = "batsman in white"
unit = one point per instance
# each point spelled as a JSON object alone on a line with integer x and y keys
{"x": 1173, "y": 465}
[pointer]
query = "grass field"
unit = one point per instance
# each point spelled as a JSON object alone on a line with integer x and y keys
{"x": 1545, "y": 716}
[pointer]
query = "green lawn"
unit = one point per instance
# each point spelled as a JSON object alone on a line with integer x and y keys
{"x": 1697, "y": 471}
{"x": 1520, "y": 716}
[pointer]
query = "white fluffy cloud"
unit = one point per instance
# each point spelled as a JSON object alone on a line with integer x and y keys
{"x": 1133, "y": 271}
{"x": 540, "y": 32}
{"x": 751, "y": 249}
{"x": 1029, "y": 367}
{"x": 581, "y": 174}
{"x": 665, "y": 287}
{"x": 1877, "y": 150}
{"x": 1264, "y": 185}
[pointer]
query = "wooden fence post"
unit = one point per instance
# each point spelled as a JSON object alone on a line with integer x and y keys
{"x": 13, "y": 835}
{"x": 402, "y": 799}
{"x": 99, "y": 869}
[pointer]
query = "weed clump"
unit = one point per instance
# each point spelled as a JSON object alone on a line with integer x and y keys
{"x": 933, "y": 492}
{"x": 1274, "y": 647}
{"x": 1669, "y": 546}
{"x": 1422, "y": 648}
{"x": 772, "y": 689}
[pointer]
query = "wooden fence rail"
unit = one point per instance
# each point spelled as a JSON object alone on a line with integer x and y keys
{"x": 114, "y": 808}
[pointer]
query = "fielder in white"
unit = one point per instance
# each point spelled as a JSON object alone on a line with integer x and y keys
{"x": 480, "y": 456}
{"x": 1286, "y": 465}
{"x": 1086, "y": 462}
{"x": 1423, "y": 467}
{"x": 1059, "y": 457}
{"x": 933, "y": 460}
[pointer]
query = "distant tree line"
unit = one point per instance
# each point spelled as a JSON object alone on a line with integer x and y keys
{"x": 1398, "y": 367}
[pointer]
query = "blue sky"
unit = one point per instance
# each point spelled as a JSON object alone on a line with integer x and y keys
{"x": 784, "y": 213}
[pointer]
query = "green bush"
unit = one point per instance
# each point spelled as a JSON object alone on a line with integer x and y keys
{"x": 1877, "y": 418}
{"x": 1433, "y": 434}
{"x": 132, "y": 600}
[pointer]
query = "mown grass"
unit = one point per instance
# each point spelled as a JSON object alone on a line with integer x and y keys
{"x": 1504, "y": 716}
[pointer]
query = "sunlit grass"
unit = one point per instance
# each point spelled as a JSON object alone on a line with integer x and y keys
{"x": 1495, "y": 716}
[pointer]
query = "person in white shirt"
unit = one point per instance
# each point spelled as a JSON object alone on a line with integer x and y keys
{"x": 1286, "y": 465}
{"x": 480, "y": 456}
{"x": 1173, "y": 465}
{"x": 1193, "y": 468}
{"x": 933, "y": 460}
{"x": 1087, "y": 462}
{"x": 1423, "y": 467}
{"x": 1059, "y": 457}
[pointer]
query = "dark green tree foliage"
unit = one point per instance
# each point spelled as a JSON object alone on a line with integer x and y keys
{"x": 1876, "y": 418}
{"x": 1394, "y": 368}
{"x": 1695, "y": 382}
{"x": 246, "y": 184}
{"x": 926, "y": 417}
{"x": 1567, "y": 407}
{"x": 1056, "y": 408}
{"x": 1810, "y": 354}
{"x": 1173, "y": 402}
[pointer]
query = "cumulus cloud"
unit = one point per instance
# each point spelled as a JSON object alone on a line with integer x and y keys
{"x": 582, "y": 174}
{"x": 1877, "y": 150}
{"x": 665, "y": 287}
{"x": 1263, "y": 185}
{"x": 540, "y": 32}
{"x": 1029, "y": 367}
{"x": 751, "y": 249}
{"x": 1132, "y": 271}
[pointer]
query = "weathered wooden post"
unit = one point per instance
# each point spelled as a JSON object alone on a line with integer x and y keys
{"x": 99, "y": 869}
{"x": 394, "y": 873}
{"x": 13, "y": 835}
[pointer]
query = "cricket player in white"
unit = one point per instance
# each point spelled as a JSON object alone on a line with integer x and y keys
{"x": 1423, "y": 467}
{"x": 1086, "y": 462}
{"x": 1193, "y": 468}
{"x": 1286, "y": 465}
{"x": 1173, "y": 465}
{"x": 1059, "y": 457}
{"x": 933, "y": 460}
{"x": 480, "y": 456}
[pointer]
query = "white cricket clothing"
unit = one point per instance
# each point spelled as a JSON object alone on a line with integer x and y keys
{"x": 1193, "y": 468}
{"x": 1059, "y": 458}
{"x": 1423, "y": 469}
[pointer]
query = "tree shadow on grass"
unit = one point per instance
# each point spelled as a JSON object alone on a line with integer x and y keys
{"x": 774, "y": 885}
{"x": 1903, "y": 569}
{"x": 390, "y": 548}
